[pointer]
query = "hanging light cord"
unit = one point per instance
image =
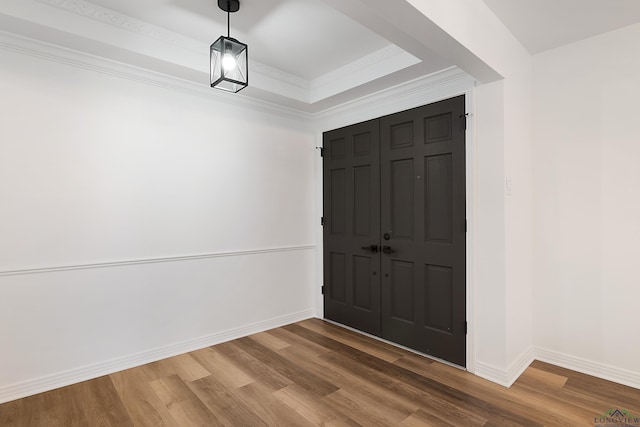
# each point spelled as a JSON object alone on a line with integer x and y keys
{"x": 228, "y": 18}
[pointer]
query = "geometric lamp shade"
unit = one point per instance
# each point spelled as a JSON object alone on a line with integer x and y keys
{"x": 229, "y": 68}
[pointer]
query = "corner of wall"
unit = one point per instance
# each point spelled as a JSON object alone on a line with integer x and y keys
{"x": 506, "y": 377}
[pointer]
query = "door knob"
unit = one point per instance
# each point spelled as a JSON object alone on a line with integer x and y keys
{"x": 372, "y": 248}
{"x": 388, "y": 250}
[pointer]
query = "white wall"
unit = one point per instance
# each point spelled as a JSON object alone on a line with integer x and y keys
{"x": 99, "y": 174}
{"x": 490, "y": 295}
{"x": 518, "y": 189}
{"x": 587, "y": 205}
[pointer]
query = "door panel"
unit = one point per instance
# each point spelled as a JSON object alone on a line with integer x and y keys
{"x": 362, "y": 282}
{"x": 398, "y": 183}
{"x": 438, "y": 198}
{"x": 439, "y": 298}
{"x": 402, "y": 284}
{"x": 362, "y": 201}
{"x": 338, "y": 202}
{"x": 423, "y": 213}
{"x": 338, "y": 275}
{"x": 352, "y": 224}
{"x": 401, "y": 199}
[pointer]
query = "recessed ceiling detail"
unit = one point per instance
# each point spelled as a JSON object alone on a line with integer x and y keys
{"x": 92, "y": 11}
{"x": 308, "y": 55}
{"x": 147, "y": 34}
{"x": 277, "y": 74}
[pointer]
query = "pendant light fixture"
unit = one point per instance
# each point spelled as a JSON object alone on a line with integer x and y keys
{"x": 229, "y": 57}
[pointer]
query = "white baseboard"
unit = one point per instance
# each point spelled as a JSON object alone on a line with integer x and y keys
{"x": 520, "y": 365}
{"x": 38, "y": 385}
{"x": 595, "y": 369}
{"x": 505, "y": 377}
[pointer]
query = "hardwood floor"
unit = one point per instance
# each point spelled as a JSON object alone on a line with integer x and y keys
{"x": 313, "y": 373}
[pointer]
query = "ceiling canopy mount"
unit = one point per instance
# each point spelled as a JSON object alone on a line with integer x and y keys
{"x": 229, "y": 5}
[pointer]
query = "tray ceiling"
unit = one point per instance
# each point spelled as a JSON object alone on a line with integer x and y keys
{"x": 308, "y": 55}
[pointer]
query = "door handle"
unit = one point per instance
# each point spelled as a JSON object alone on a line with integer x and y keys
{"x": 388, "y": 250}
{"x": 372, "y": 248}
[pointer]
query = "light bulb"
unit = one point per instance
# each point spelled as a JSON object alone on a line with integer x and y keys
{"x": 228, "y": 62}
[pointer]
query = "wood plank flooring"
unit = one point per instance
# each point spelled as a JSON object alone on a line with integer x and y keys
{"x": 313, "y": 373}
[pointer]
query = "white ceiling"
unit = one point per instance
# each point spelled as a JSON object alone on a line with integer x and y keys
{"x": 305, "y": 54}
{"x": 546, "y": 24}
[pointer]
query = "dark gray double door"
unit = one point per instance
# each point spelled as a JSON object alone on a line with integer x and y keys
{"x": 394, "y": 228}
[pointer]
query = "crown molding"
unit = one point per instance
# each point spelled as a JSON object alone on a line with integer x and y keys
{"x": 277, "y": 74}
{"x": 46, "y": 51}
{"x": 374, "y": 58}
{"x": 125, "y": 22}
{"x": 420, "y": 91}
{"x": 378, "y": 64}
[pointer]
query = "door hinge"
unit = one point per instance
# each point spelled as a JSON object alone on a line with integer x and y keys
{"x": 464, "y": 120}
{"x": 466, "y": 328}
{"x": 322, "y": 289}
{"x": 322, "y": 221}
{"x": 321, "y": 151}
